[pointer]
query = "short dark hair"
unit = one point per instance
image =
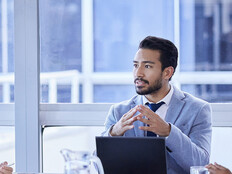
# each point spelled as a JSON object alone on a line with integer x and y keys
{"x": 168, "y": 51}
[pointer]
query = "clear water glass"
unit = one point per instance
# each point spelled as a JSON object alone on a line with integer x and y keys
{"x": 198, "y": 170}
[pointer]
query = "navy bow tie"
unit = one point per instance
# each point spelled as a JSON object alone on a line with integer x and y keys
{"x": 153, "y": 107}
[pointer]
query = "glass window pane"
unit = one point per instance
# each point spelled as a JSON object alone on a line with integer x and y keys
{"x": 117, "y": 34}
{"x": 116, "y": 38}
{"x": 210, "y": 93}
{"x": 60, "y": 47}
{"x": 7, "y": 144}
{"x": 6, "y": 51}
{"x": 206, "y": 35}
{"x": 64, "y": 93}
{"x": 44, "y": 93}
{"x": 1, "y": 94}
{"x": 11, "y": 93}
{"x": 78, "y": 138}
{"x": 60, "y": 38}
{"x": 113, "y": 93}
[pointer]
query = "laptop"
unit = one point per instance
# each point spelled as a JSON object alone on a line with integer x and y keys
{"x": 132, "y": 155}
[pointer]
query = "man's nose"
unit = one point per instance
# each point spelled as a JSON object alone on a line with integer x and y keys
{"x": 139, "y": 72}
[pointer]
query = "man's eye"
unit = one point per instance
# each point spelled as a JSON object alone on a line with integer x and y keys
{"x": 147, "y": 66}
{"x": 135, "y": 65}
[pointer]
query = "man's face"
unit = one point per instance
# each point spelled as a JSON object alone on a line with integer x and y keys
{"x": 147, "y": 71}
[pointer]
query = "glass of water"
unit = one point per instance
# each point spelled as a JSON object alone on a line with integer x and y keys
{"x": 198, "y": 170}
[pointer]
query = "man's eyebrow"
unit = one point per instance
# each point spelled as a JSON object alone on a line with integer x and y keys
{"x": 144, "y": 62}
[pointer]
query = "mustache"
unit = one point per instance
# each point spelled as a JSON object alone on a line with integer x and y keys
{"x": 145, "y": 81}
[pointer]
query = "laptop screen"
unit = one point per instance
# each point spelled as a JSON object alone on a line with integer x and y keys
{"x": 132, "y": 155}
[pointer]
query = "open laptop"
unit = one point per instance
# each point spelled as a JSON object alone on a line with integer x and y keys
{"x": 132, "y": 155}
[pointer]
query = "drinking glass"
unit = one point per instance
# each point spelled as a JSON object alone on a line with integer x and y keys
{"x": 198, "y": 170}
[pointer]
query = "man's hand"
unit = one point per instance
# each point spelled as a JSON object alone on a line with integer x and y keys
{"x": 4, "y": 169}
{"x": 124, "y": 124}
{"x": 156, "y": 124}
{"x": 217, "y": 169}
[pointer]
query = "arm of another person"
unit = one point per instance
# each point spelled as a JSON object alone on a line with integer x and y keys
{"x": 192, "y": 149}
{"x": 217, "y": 169}
{"x": 4, "y": 169}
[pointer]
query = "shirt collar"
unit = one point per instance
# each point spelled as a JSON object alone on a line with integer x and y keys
{"x": 166, "y": 99}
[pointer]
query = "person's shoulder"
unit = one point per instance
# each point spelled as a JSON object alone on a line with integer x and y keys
{"x": 195, "y": 104}
{"x": 192, "y": 99}
{"x": 189, "y": 98}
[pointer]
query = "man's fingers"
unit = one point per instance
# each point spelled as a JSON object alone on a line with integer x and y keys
{"x": 219, "y": 166}
{"x": 146, "y": 111}
{"x": 130, "y": 121}
{"x": 208, "y": 166}
{"x": 146, "y": 121}
{"x": 3, "y": 163}
{"x": 128, "y": 127}
{"x": 139, "y": 115}
{"x": 145, "y": 128}
{"x": 133, "y": 119}
{"x": 212, "y": 171}
{"x": 130, "y": 113}
{"x": 7, "y": 169}
{"x": 213, "y": 167}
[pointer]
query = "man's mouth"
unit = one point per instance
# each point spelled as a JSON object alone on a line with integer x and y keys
{"x": 140, "y": 82}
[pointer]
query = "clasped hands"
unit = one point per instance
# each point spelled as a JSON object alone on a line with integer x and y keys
{"x": 156, "y": 124}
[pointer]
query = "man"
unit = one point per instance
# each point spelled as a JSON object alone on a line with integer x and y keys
{"x": 217, "y": 169}
{"x": 184, "y": 120}
{"x": 5, "y": 169}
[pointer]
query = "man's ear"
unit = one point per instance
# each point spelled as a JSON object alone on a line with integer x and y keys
{"x": 168, "y": 72}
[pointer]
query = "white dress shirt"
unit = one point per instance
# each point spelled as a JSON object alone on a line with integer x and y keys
{"x": 162, "y": 110}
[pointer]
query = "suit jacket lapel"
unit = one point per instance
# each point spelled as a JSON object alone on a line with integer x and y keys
{"x": 175, "y": 106}
{"x": 138, "y": 133}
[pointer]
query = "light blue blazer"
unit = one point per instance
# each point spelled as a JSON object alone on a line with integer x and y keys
{"x": 191, "y": 129}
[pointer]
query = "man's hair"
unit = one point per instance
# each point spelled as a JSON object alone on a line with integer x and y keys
{"x": 168, "y": 51}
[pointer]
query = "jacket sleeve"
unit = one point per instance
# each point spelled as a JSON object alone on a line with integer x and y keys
{"x": 194, "y": 149}
{"x": 110, "y": 121}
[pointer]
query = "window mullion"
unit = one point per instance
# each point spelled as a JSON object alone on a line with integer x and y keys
{"x": 27, "y": 130}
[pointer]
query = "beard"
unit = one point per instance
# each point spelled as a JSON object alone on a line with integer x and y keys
{"x": 153, "y": 88}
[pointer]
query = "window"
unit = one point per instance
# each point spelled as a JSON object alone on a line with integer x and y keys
{"x": 6, "y": 51}
{"x": 7, "y": 134}
{"x": 66, "y": 51}
{"x": 61, "y": 45}
{"x": 117, "y": 34}
{"x": 205, "y": 47}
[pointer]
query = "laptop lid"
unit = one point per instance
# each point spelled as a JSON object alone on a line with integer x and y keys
{"x": 132, "y": 155}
